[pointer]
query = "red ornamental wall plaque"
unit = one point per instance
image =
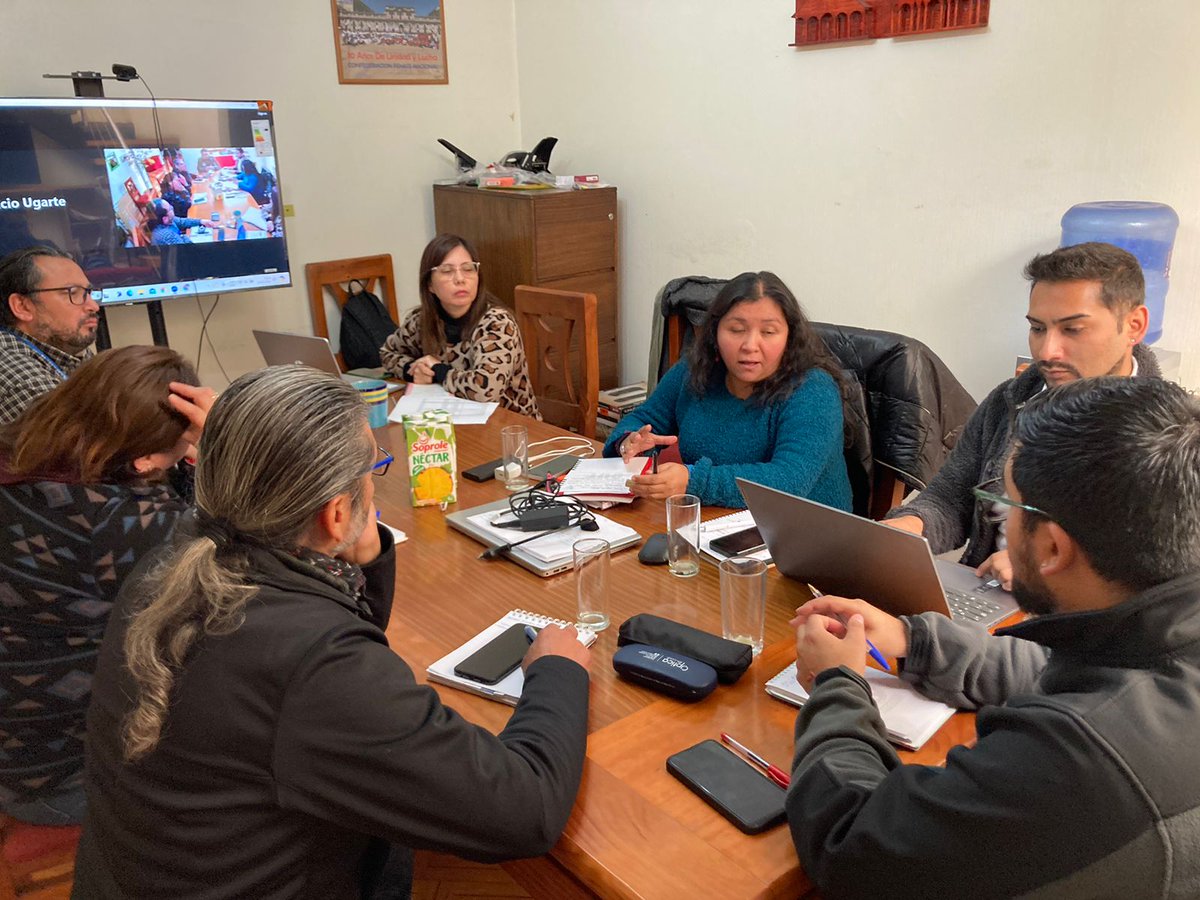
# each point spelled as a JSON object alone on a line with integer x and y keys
{"x": 836, "y": 21}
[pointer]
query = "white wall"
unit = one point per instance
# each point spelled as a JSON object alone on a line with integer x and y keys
{"x": 894, "y": 184}
{"x": 356, "y": 161}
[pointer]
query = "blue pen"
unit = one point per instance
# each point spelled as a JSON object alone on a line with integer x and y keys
{"x": 872, "y": 650}
{"x": 530, "y": 633}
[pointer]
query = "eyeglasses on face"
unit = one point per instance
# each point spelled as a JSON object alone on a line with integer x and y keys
{"x": 466, "y": 270}
{"x": 991, "y": 492}
{"x": 383, "y": 459}
{"x": 76, "y": 293}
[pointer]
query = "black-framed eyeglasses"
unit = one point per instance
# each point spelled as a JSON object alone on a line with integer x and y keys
{"x": 448, "y": 270}
{"x": 78, "y": 294}
{"x": 383, "y": 459}
{"x": 997, "y": 495}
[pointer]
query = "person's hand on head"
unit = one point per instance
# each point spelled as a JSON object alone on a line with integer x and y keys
{"x": 884, "y": 630}
{"x": 193, "y": 402}
{"x": 638, "y": 442}
{"x": 556, "y": 641}
{"x": 997, "y": 566}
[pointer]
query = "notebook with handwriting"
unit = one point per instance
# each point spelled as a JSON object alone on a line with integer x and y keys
{"x": 507, "y": 689}
{"x": 910, "y": 719}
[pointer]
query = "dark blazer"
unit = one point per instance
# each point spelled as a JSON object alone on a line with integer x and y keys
{"x": 297, "y": 742}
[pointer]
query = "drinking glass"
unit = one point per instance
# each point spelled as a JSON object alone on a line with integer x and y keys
{"x": 744, "y": 600}
{"x": 591, "y": 582}
{"x": 683, "y": 535}
{"x": 514, "y": 447}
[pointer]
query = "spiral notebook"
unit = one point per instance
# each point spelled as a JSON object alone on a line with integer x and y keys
{"x": 508, "y": 689}
{"x": 910, "y": 719}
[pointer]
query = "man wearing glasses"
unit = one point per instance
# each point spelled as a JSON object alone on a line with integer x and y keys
{"x": 48, "y": 322}
{"x": 1078, "y": 784}
{"x": 1087, "y": 317}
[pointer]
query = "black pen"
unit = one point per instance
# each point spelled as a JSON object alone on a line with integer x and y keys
{"x": 654, "y": 460}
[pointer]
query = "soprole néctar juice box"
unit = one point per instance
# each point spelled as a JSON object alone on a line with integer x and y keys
{"x": 432, "y": 458}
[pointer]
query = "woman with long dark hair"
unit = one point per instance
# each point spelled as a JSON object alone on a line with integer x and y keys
{"x": 460, "y": 337}
{"x": 88, "y": 484}
{"x": 757, "y": 397}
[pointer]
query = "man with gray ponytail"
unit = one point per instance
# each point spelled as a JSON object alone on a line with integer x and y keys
{"x": 252, "y": 735}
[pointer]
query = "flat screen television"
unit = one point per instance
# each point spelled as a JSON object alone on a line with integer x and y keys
{"x": 154, "y": 200}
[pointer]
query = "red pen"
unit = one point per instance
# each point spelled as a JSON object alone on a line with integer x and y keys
{"x": 775, "y": 773}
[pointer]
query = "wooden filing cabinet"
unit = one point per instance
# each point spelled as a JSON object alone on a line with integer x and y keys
{"x": 556, "y": 239}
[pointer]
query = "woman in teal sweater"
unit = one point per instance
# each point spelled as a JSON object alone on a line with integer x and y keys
{"x": 757, "y": 398}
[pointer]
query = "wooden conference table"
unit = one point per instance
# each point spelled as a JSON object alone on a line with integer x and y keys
{"x": 635, "y": 831}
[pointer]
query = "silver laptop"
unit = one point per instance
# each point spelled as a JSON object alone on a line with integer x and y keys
{"x": 280, "y": 348}
{"x": 840, "y": 553}
{"x": 461, "y": 521}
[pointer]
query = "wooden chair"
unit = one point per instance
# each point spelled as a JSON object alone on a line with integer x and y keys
{"x": 35, "y": 857}
{"x": 561, "y": 341}
{"x": 335, "y": 275}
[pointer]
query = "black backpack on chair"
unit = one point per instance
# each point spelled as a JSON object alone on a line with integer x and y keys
{"x": 366, "y": 324}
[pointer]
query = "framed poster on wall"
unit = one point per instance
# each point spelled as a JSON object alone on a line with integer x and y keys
{"x": 390, "y": 41}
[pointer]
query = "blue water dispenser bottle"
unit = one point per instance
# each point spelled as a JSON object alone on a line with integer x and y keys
{"x": 1147, "y": 230}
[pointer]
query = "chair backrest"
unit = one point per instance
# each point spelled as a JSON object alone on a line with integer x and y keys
{"x": 332, "y": 278}
{"x": 37, "y": 858}
{"x": 904, "y": 411}
{"x": 562, "y": 343}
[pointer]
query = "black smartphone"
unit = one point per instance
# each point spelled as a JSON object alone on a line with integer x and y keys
{"x": 739, "y": 542}
{"x": 729, "y": 785}
{"x": 484, "y": 472}
{"x": 496, "y": 658}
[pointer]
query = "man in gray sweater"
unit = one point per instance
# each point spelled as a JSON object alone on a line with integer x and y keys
{"x": 1087, "y": 317}
{"x": 1079, "y": 784}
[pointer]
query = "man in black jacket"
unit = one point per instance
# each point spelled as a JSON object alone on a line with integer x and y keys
{"x": 1087, "y": 317}
{"x": 251, "y": 734}
{"x": 1079, "y": 784}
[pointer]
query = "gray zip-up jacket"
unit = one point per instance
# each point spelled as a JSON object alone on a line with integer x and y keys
{"x": 946, "y": 507}
{"x": 1084, "y": 782}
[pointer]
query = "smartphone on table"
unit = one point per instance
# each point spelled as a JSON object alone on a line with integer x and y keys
{"x": 495, "y": 659}
{"x": 730, "y": 785}
{"x": 739, "y": 542}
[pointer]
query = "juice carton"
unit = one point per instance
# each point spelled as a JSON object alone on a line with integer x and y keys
{"x": 432, "y": 458}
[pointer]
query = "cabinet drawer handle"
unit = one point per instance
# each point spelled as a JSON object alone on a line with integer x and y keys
{"x": 610, "y": 217}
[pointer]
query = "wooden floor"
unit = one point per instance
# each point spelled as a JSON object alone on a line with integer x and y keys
{"x": 437, "y": 876}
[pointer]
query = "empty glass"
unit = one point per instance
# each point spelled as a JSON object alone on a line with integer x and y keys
{"x": 744, "y": 600}
{"x": 591, "y": 557}
{"x": 514, "y": 447}
{"x": 683, "y": 535}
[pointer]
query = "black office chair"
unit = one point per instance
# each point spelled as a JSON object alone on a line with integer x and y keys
{"x": 903, "y": 407}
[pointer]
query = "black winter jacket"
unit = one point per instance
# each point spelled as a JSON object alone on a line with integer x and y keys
{"x": 299, "y": 745}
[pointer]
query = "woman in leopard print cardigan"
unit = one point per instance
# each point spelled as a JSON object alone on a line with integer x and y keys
{"x": 458, "y": 337}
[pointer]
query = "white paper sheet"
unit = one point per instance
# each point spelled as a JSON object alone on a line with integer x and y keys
{"x": 420, "y": 398}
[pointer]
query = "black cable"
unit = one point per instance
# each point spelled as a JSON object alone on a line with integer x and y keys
{"x": 544, "y": 495}
{"x": 204, "y": 335}
{"x": 158, "y": 136}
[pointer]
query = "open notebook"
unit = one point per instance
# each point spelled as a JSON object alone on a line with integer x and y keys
{"x": 909, "y": 718}
{"x": 507, "y": 689}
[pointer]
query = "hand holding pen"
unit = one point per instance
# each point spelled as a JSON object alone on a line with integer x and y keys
{"x": 828, "y": 628}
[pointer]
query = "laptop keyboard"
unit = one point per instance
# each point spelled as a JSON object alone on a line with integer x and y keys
{"x": 972, "y": 608}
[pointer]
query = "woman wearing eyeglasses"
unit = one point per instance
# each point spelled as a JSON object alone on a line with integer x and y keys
{"x": 89, "y": 483}
{"x": 460, "y": 337}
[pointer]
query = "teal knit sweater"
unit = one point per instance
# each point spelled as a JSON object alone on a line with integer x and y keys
{"x": 794, "y": 445}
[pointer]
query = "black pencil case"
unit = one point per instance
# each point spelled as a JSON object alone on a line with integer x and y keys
{"x": 729, "y": 658}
